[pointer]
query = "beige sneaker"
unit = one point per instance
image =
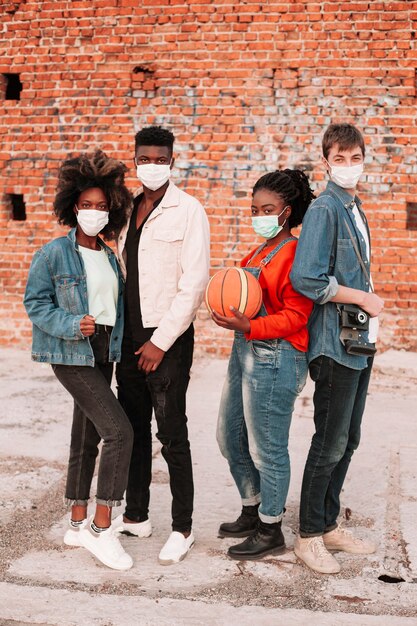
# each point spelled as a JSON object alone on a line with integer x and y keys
{"x": 342, "y": 539}
{"x": 312, "y": 552}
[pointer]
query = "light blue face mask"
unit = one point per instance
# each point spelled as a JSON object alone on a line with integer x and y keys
{"x": 267, "y": 226}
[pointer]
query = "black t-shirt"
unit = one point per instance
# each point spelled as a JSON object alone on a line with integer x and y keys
{"x": 133, "y": 314}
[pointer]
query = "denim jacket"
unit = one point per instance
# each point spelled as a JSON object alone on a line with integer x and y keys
{"x": 325, "y": 259}
{"x": 56, "y": 300}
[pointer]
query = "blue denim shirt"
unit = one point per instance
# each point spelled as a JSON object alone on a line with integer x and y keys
{"x": 325, "y": 259}
{"x": 56, "y": 300}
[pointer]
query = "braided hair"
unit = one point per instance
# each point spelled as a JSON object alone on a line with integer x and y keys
{"x": 294, "y": 188}
{"x": 89, "y": 170}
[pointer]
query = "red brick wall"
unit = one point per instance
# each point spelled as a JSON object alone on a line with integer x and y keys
{"x": 245, "y": 86}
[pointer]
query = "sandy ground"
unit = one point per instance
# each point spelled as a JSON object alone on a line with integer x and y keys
{"x": 44, "y": 582}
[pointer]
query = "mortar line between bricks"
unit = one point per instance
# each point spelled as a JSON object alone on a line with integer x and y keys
{"x": 395, "y": 560}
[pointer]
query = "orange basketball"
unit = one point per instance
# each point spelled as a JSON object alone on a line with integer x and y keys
{"x": 234, "y": 287}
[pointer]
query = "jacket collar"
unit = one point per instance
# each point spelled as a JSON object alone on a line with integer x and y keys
{"x": 171, "y": 196}
{"x": 344, "y": 197}
{"x": 73, "y": 240}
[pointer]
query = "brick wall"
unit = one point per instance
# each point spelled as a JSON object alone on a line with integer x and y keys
{"x": 246, "y": 87}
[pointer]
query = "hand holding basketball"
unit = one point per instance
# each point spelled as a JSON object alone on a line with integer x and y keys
{"x": 239, "y": 322}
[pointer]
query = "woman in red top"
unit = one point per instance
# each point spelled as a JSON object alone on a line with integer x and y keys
{"x": 267, "y": 370}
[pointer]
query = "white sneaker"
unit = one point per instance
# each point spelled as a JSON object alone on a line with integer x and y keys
{"x": 72, "y": 536}
{"x": 139, "y": 529}
{"x": 342, "y": 539}
{"x": 176, "y": 548}
{"x": 105, "y": 546}
{"x": 312, "y": 552}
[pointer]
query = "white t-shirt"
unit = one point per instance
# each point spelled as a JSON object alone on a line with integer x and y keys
{"x": 102, "y": 285}
{"x": 373, "y": 321}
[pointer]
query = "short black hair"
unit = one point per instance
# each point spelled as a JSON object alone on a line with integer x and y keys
{"x": 155, "y": 136}
{"x": 346, "y": 136}
{"x": 89, "y": 170}
{"x": 294, "y": 188}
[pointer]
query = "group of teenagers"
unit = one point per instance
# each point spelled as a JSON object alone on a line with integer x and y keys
{"x": 91, "y": 308}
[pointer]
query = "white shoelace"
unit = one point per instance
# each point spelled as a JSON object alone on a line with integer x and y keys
{"x": 347, "y": 533}
{"x": 114, "y": 544}
{"x": 317, "y": 546}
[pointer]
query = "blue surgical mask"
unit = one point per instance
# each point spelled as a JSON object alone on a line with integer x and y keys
{"x": 268, "y": 226}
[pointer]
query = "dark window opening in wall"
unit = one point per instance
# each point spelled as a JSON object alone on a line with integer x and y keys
{"x": 18, "y": 206}
{"x": 12, "y": 86}
{"x": 411, "y": 215}
{"x": 143, "y": 82}
{"x": 139, "y": 69}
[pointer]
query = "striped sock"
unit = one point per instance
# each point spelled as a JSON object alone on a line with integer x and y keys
{"x": 97, "y": 529}
{"x": 76, "y": 523}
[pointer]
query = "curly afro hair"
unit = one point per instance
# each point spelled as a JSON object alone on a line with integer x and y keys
{"x": 89, "y": 170}
{"x": 294, "y": 188}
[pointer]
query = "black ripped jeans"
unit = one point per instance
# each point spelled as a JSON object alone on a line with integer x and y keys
{"x": 163, "y": 391}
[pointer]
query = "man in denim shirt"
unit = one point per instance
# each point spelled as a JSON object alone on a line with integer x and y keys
{"x": 327, "y": 270}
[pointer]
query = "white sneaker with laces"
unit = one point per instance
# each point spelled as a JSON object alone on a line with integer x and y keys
{"x": 312, "y": 552}
{"x": 139, "y": 529}
{"x": 342, "y": 539}
{"x": 72, "y": 536}
{"x": 176, "y": 548}
{"x": 105, "y": 546}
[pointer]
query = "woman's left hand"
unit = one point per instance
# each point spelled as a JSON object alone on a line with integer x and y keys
{"x": 239, "y": 322}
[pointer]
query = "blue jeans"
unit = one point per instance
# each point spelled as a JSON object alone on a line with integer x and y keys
{"x": 262, "y": 384}
{"x": 339, "y": 403}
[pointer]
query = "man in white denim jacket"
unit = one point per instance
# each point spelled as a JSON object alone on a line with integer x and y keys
{"x": 164, "y": 253}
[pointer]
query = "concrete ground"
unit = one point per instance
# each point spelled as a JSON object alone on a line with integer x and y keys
{"x": 44, "y": 582}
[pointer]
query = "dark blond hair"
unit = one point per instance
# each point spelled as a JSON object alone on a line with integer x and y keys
{"x": 346, "y": 136}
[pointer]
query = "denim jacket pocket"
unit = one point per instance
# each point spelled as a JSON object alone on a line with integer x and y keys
{"x": 264, "y": 350}
{"x": 169, "y": 235}
{"x": 68, "y": 295}
{"x": 347, "y": 262}
{"x": 166, "y": 248}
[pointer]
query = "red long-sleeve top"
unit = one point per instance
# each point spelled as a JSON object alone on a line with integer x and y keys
{"x": 288, "y": 311}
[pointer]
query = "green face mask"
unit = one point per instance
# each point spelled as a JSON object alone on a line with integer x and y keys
{"x": 267, "y": 226}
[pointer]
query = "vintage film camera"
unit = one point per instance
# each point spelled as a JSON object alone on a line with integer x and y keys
{"x": 354, "y": 322}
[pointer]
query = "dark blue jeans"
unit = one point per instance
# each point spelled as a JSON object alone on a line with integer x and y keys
{"x": 339, "y": 403}
{"x": 163, "y": 391}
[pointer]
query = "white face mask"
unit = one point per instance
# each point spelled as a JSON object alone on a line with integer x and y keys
{"x": 346, "y": 177}
{"x": 153, "y": 176}
{"x": 92, "y": 221}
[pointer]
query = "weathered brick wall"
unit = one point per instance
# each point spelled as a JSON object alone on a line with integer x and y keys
{"x": 246, "y": 87}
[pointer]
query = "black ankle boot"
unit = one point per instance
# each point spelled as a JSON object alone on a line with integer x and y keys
{"x": 243, "y": 526}
{"x": 266, "y": 539}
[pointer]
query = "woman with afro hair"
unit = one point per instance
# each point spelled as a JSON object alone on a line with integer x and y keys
{"x": 74, "y": 298}
{"x": 267, "y": 370}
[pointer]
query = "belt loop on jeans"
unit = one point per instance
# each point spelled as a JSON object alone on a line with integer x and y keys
{"x": 103, "y": 328}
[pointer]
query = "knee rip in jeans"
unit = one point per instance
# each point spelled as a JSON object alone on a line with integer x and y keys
{"x": 168, "y": 443}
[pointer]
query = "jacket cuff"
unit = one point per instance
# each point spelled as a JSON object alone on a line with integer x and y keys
{"x": 76, "y": 327}
{"x": 160, "y": 341}
{"x": 330, "y": 291}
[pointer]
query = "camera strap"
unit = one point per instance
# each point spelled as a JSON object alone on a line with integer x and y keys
{"x": 358, "y": 254}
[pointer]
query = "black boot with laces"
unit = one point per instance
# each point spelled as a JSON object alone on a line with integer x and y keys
{"x": 243, "y": 526}
{"x": 266, "y": 539}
